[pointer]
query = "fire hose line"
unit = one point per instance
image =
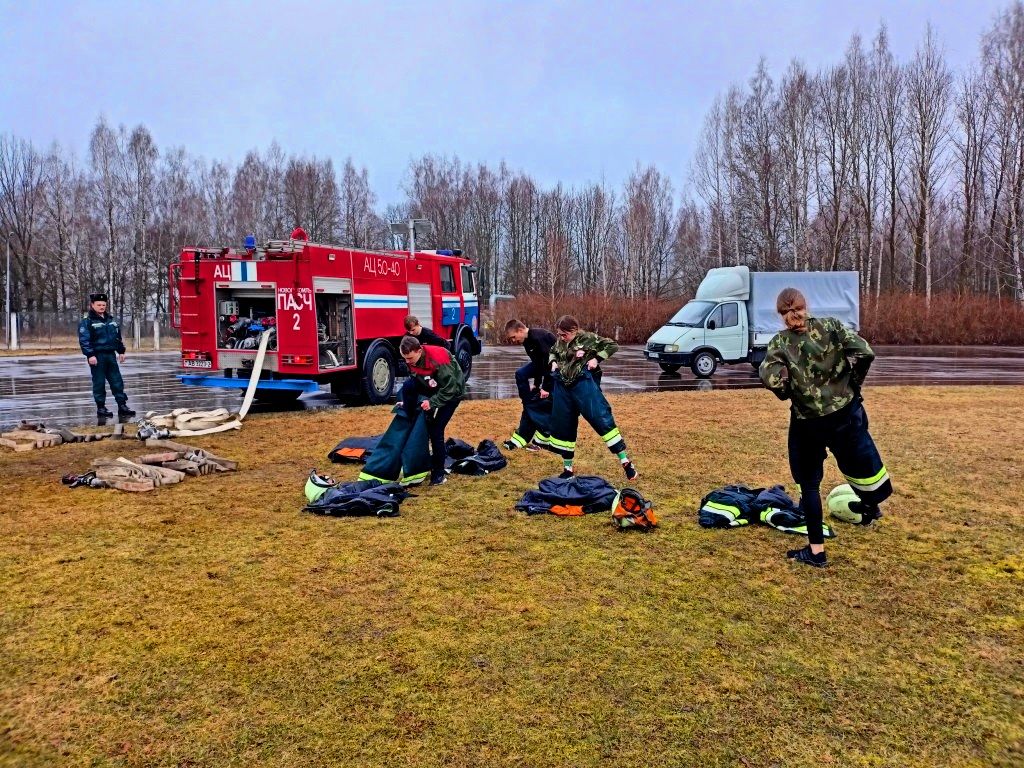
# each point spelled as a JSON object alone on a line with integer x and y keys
{"x": 197, "y": 423}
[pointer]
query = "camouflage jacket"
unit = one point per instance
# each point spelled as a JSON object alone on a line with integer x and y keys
{"x": 821, "y": 378}
{"x": 572, "y": 357}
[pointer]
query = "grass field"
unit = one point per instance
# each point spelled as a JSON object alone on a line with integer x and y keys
{"x": 213, "y": 624}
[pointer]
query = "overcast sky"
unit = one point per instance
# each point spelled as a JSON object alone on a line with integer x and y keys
{"x": 566, "y": 91}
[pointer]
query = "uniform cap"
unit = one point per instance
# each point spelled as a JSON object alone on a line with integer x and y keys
{"x": 97, "y": 297}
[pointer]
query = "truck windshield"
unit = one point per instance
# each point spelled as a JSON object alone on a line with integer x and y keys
{"x": 693, "y": 314}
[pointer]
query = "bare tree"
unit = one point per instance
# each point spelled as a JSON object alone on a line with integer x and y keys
{"x": 928, "y": 92}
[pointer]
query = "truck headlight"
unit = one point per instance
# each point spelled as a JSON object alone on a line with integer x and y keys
{"x": 671, "y": 347}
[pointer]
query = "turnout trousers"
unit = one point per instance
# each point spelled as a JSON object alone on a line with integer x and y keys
{"x": 845, "y": 434}
{"x": 107, "y": 371}
{"x": 582, "y": 398}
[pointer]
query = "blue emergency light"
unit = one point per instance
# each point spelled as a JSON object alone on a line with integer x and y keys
{"x": 250, "y": 242}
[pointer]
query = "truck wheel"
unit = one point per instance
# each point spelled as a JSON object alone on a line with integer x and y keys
{"x": 670, "y": 367}
{"x": 464, "y": 355}
{"x": 703, "y": 365}
{"x": 756, "y": 358}
{"x": 379, "y": 375}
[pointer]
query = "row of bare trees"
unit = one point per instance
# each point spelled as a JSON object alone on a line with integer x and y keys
{"x": 900, "y": 170}
{"x": 905, "y": 172}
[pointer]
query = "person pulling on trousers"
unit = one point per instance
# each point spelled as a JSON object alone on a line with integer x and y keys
{"x": 439, "y": 387}
{"x": 809, "y": 363}
{"x": 99, "y": 337}
{"x": 533, "y": 380}
{"x": 573, "y": 359}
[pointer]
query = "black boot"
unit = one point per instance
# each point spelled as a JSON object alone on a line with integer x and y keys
{"x": 124, "y": 411}
{"x": 102, "y": 412}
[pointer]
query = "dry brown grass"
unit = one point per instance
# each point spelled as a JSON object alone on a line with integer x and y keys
{"x": 212, "y": 623}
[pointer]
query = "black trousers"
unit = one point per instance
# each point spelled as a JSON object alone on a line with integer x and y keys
{"x": 437, "y": 420}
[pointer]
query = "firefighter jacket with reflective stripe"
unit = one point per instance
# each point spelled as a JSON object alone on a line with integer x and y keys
{"x": 572, "y": 356}
{"x": 364, "y": 497}
{"x": 99, "y": 333}
{"x": 464, "y": 459}
{"x": 589, "y": 492}
{"x": 438, "y": 376}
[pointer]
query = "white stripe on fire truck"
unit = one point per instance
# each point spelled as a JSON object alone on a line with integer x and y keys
{"x": 243, "y": 271}
{"x": 381, "y": 301}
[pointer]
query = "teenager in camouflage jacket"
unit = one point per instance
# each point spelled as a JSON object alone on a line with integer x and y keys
{"x": 573, "y": 359}
{"x": 809, "y": 363}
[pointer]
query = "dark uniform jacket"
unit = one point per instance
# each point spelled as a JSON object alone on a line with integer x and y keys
{"x": 99, "y": 333}
{"x": 439, "y": 376}
{"x": 538, "y": 343}
{"x": 572, "y": 357}
{"x": 427, "y": 336}
{"x": 821, "y": 379}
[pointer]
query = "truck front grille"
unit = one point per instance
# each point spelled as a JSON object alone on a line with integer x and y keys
{"x": 652, "y": 347}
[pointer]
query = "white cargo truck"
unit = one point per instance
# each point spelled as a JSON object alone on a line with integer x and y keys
{"x": 732, "y": 318}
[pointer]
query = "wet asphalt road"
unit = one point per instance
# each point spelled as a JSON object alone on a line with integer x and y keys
{"x": 56, "y": 388}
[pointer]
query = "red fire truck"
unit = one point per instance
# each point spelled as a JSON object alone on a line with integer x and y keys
{"x": 335, "y": 314}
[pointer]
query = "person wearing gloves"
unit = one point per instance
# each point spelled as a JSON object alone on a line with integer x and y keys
{"x": 818, "y": 364}
{"x": 99, "y": 337}
{"x": 574, "y": 357}
{"x": 436, "y": 386}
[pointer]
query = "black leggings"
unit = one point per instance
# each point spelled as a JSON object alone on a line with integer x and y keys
{"x": 437, "y": 420}
{"x": 810, "y": 503}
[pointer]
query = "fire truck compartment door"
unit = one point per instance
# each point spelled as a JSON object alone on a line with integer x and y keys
{"x": 421, "y": 304}
{"x": 332, "y": 285}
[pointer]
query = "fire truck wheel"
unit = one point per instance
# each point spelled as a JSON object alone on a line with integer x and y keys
{"x": 379, "y": 375}
{"x": 670, "y": 367}
{"x": 464, "y": 355}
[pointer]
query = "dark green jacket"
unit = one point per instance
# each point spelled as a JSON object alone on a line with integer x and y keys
{"x": 439, "y": 376}
{"x": 821, "y": 378}
{"x": 572, "y": 357}
{"x": 99, "y": 333}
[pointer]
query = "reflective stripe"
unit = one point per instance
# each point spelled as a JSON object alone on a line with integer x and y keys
{"x": 518, "y": 439}
{"x": 366, "y": 476}
{"x": 734, "y": 511}
{"x": 541, "y": 439}
{"x": 611, "y": 436}
{"x": 413, "y": 479}
{"x": 564, "y": 444}
{"x": 869, "y": 483}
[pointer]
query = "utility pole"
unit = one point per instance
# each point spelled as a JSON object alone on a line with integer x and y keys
{"x": 7, "y": 292}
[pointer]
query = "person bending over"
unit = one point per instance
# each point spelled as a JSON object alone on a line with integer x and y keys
{"x": 438, "y": 386}
{"x": 533, "y": 380}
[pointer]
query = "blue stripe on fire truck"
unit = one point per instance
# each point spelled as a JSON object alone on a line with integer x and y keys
{"x": 243, "y": 272}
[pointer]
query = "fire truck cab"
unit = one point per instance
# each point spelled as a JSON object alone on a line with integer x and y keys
{"x": 335, "y": 314}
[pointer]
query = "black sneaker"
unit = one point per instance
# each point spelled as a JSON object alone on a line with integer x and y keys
{"x": 103, "y": 413}
{"x": 631, "y": 471}
{"x": 807, "y": 557}
{"x": 125, "y": 412}
{"x": 532, "y": 447}
{"x": 567, "y": 474}
{"x": 439, "y": 480}
{"x": 509, "y": 445}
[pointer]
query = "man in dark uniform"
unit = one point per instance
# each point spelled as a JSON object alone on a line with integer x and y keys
{"x": 424, "y": 335}
{"x": 99, "y": 336}
{"x": 534, "y": 384}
